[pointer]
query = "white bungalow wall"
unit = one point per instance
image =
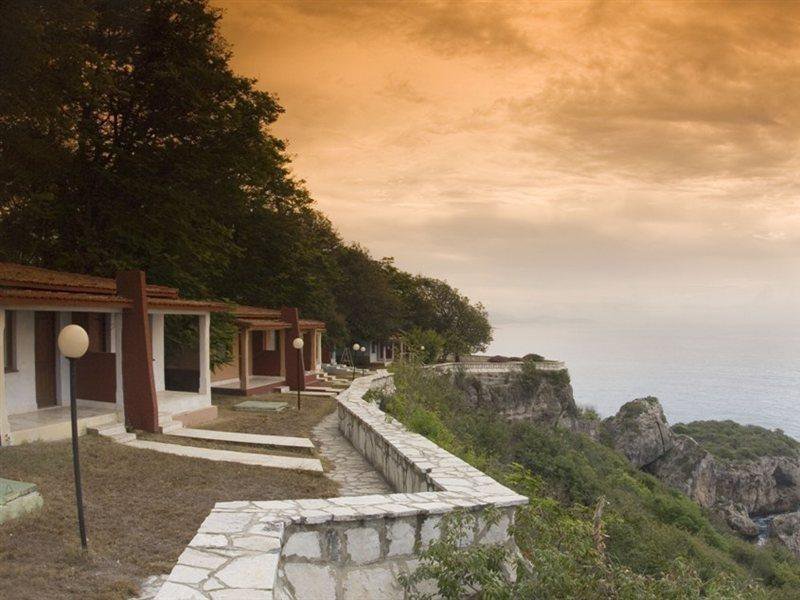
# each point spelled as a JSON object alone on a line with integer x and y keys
{"x": 20, "y": 385}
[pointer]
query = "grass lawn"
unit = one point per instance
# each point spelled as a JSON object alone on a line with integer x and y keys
{"x": 142, "y": 507}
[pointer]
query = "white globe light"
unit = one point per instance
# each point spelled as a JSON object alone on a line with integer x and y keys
{"x": 363, "y": 349}
{"x": 356, "y": 347}
{"x": 73, "y": 341}
{"x": 297, "y": 343}
{"x": 422, "y": 347}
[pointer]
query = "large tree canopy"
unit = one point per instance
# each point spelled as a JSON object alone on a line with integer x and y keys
{"x": 126, "y": 141}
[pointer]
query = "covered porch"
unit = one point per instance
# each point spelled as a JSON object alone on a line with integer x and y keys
{"x": 35, "y": 379}
{"x": 181, "y": 363}
{"x": 53, "y": 423}
{"x": 259, "y": 359}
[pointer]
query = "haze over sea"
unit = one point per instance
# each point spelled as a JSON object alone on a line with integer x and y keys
{"x": 752, "y": 377}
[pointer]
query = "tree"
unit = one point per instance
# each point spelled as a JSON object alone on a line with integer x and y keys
{"x": 126, "y": 141}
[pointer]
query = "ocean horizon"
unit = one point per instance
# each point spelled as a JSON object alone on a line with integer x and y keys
{"x": 748, "y": 377}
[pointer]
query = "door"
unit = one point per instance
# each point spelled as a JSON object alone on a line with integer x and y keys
{"x": 45, "y": 343}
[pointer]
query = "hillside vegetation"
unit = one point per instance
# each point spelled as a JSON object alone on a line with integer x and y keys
{"x": 596, "y": 527}
{"x": 733, "y": 441}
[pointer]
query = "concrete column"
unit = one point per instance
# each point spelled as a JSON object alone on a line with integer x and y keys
{"x": 116, "y": 348}
{"x": 5, "y": 428}
{"x": 244, "y": 358}
{"x": 62, "y": 363}
{"x": 318, "y": 336}
{"x": 204, "y": 329}
{"x": 140, "y": 400}
{"x": 282, "y": 342}
{"x": 157, "y": 337}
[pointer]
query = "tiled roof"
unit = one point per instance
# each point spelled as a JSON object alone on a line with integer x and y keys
{"x": 262, "y": 324}
{"x": 256, "y": 312}
{"x": 183, "y": 304}
{"x": 47, "y": 298}
{"x": 24, "y": 276}
{"x": 311, "y": 324}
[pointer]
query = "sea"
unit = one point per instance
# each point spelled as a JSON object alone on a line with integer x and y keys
{"x": 752, "y": 377}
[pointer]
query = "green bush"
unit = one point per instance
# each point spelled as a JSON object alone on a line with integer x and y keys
{"x": 732, "y": 441}
{"x": 656, "y": 542}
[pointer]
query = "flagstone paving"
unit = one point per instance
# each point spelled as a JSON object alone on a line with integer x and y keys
{"x": 354, "y": 474}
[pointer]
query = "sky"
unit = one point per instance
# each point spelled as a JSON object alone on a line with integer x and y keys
{"x": 603, "y": 163}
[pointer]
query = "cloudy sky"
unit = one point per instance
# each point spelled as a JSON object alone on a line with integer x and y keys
{"x": 566, "y": 162}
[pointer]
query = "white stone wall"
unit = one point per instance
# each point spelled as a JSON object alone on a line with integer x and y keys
{"x": 349, "y": 547}
{"x": 21, "y": 384}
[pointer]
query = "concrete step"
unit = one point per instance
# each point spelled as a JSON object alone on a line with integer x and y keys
{"x": 171, "y": 426}
{"x": 116, "y": 432}
{"x": 244, "y": 438}
{"x": 108, "y": 430}
{"x": 246, "y": 458}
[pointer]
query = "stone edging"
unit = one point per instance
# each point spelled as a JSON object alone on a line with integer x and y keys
{"x": 346, "y": 547}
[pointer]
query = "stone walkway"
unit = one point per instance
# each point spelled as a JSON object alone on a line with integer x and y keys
{"x": 351, "y": 471}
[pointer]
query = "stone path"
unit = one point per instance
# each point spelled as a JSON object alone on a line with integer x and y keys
{"x": 245, "y": 458}
{"x": 351, "y": 470}
{"x": 243, "y": 438}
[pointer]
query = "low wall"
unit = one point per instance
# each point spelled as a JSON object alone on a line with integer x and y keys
{"x": 348, "y": 547}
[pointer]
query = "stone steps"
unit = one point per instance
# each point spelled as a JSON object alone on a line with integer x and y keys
{"x": 166, "y": 424}
{"x": 114, "y": 431}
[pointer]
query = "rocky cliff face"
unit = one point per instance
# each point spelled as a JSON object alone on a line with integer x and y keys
{"x": 687, "y": 467}
{"x": 547, "y": 401}
{"x": 766, "y": 485}
{"x": 762, "y": 486}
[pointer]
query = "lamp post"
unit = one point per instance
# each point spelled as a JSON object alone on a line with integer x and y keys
{"x": 356, "y": 348}
{"x": 73, "y": 341}
{"x": 422, "y": 354}
{"x": 298, "y": 345}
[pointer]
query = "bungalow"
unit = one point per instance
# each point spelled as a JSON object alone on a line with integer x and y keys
{"x": 129, "y": 372}
{"x": 264, "y": 358}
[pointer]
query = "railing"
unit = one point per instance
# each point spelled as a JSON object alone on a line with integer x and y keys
{"x": 500, "y": 367}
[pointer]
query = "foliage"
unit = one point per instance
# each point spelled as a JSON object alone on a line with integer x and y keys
{"x": 530, "y": 376}
{"x": 733, "y": 441}
{"x": 656, "y": 542}
{"x": 129, "y": 143}
{"x": 223, "y": 336}
{"x": 416, "y": 339}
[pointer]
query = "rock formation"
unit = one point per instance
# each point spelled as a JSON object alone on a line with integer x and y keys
{"x": 737, "y": 518}
{"x": 548, "y": 401}
{"x": 687, "y": 467}
{"x": 640, "y": 431}
{"x": 786, "y": 528}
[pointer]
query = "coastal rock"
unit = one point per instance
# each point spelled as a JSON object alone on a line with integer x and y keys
{"x": 687, "y": 467}
{"x": 547, "y": 401}
{"x": 767, "y": 485}
{"x": 786, "y": 529}
{"x": 640, "y": 431}
{"x": 737, "y": 518}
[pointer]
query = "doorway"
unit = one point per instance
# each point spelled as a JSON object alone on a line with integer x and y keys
{"x": 45, "y": 358}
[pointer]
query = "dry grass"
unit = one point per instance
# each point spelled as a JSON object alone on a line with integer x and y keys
{"x": 142, "y": 507}
{"x": 288, "y": 422}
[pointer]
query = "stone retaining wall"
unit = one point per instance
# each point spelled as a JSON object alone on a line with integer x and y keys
{"x": 348, "y": 547}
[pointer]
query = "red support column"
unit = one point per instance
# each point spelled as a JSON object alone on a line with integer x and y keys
{"x": 138, "y": 384}
{"x": 291, "y": 355}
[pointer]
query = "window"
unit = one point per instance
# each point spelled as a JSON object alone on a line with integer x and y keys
{"x": 9, "y": 357}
